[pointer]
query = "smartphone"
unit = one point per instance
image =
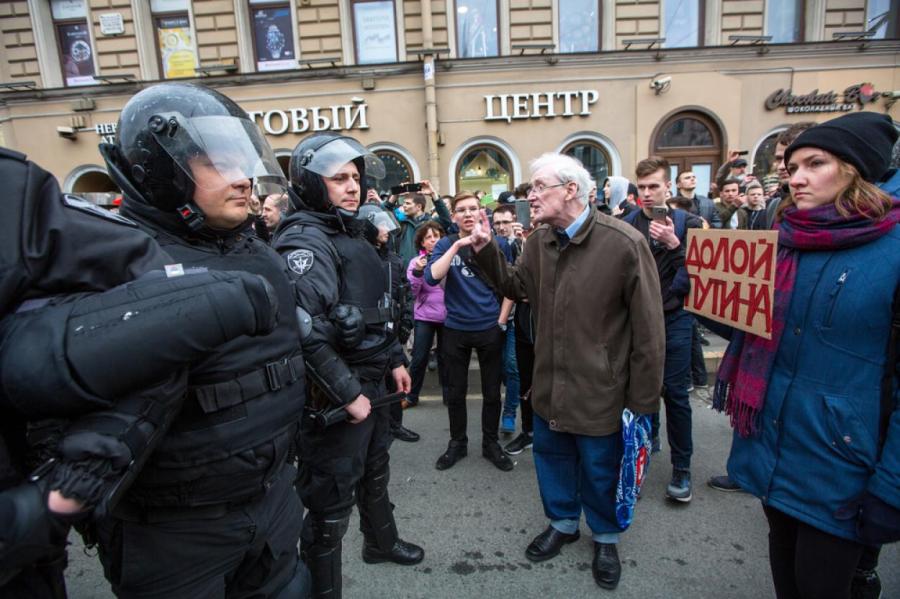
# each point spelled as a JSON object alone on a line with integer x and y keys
{"x": 743, "y": 152}
{"x": 660, "y": 213}
{"x": 406, "y": 188}
{"x": 523, "y": 213}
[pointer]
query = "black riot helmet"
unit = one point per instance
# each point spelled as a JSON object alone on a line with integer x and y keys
{"x": 167, "y": 128}
{"x": 322, "y": 155}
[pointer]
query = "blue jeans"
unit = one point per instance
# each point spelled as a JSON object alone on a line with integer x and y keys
{"x": 578, "y": 472}
{"x": 676, "y": 376}
{"x": 423, "y": 336}
{"x": 510, "y": 372}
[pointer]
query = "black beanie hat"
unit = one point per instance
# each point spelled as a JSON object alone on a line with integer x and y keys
{"x": 863, "y": 139}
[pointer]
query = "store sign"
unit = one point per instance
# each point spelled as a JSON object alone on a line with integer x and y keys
{"x": 546, "y": 105}
{"x": 107, "y": 132}
{"x": 854, "y": 96}
{"x": 317, "y": 118}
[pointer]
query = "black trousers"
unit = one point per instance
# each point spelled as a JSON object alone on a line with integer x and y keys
{"x": 457, "y": 351}
{"x": 525, "y": 360}
{"x": 334, "y": 460}
{"x": 249, "y": 551}
{"x": 808, "y": 563}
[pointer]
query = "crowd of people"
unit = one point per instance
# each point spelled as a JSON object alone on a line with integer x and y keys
{"x": 292, "y": 321}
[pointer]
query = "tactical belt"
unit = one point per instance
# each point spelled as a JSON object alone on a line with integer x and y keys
{"x": 271, "y": 377}
{"x": 380, "y": 314}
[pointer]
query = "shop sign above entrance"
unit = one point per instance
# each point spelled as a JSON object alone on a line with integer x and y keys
{"x": 854, "y": 96}
{"x": 317, "y": 118}
{"x": 540, "y": 105}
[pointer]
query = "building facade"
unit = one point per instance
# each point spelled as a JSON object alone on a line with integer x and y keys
{"x": 461, "y": 92}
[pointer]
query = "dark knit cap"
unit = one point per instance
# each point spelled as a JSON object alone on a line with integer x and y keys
{"x": 505, "y": 197}
{"x": 863, "y": 139}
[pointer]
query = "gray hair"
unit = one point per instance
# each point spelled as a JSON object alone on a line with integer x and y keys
{"x": 567, "y": 169}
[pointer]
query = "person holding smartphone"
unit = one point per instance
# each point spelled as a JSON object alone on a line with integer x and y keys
{"x": 413, "y": 205}
{"x": 666, "y": 231}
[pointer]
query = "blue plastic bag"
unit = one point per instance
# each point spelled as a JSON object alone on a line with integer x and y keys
{"x": 635, "y": 461}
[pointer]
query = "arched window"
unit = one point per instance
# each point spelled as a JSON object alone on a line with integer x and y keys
{"x": 396, "y": 171}
{"x": 690, "y": 141}
{"x": 484, "y": 168}
{"x": 764, "y": 156}
{"x": 593, "y": 156}
{"x": 93, "y": 184}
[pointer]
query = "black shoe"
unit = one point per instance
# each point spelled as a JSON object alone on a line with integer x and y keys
{"x": 401, "y": 433}
{"x": 723, "y": 483}
{"x": 519, "y": 444}
{"x": 496, "y": 456}
{"x": 548, "y": 543}
{"x": 865, "y": 585}
{"x": 403, "y": 553}
{"x": 606, "y": 566}
{"x": 454, "y": 453}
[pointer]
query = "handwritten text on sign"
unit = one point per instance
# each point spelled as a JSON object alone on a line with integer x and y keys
{"x": 733, "y": 277}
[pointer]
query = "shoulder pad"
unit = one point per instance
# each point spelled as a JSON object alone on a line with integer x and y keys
{"x": 72, "y": 201}
{"x": 12, "y": 154}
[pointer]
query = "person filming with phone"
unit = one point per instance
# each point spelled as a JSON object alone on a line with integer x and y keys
{"x": 666, "y": 231}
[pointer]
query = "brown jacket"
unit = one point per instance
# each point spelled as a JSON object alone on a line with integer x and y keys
{"x": 600, "y": 335}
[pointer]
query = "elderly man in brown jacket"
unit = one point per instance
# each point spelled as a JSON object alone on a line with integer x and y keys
{"x": 599, "y": 348}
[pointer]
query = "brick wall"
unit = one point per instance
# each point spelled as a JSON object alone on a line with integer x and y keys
{"x": 216, "y": 32}
{"x": 742, "y": 17}
{"x": 844, "y": 15}
{"x": 320, "y": 29}
{"x": 530, "y": 21}
{"x": 17, "y": 43}
{"x": 636, "y": 18}
{"x": 116, "y": 54}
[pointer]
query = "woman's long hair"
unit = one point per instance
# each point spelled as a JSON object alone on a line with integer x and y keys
{"x": 857, "y": 197}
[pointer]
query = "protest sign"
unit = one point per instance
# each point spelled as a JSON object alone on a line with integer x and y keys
{"x": 732, "y": 277}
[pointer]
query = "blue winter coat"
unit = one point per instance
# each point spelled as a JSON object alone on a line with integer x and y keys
{"x": 817, "y": 444}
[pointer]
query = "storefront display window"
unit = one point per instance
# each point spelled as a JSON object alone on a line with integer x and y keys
{"x": 484, "y": 168}
{"x": 579, "y": 26}
{"x": 593, "y": 157}
{"x": 374, "y": 31}
{"x": 784, "y": 21}
{"x": 884, "y": 17}
{"x": 73, "y": 36}
{"x": 763, "y": 159}
{"x": 683, "y": 23}
{"x": 477, "y": 34}
{"x": 397, "y": 171}
{"x": 273, "y": 35}
{"x": 174, "y": 38}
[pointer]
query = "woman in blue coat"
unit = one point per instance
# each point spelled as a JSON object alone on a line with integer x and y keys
{"x": 806, "y": 405}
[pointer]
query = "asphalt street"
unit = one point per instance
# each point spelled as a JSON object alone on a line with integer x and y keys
{"x": 475, "y": 521}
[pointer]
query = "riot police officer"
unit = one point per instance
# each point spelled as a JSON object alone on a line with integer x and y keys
{"x": 341, "y": 283}
{"x": 65, "y": 353}
{"x": 213, "y": 512}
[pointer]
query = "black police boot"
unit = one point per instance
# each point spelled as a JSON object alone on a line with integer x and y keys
{"x": 403, "y": 553}
{"x": 323, "y": 556}
{"x": 376, "y": 521}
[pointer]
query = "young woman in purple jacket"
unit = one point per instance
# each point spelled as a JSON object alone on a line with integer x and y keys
{"x": 429, "y": 310}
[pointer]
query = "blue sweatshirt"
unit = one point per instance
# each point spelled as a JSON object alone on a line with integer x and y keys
{"x": 471, "y": 304}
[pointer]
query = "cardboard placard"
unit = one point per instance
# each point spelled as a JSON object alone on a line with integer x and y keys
{"x": 733, "y": 277}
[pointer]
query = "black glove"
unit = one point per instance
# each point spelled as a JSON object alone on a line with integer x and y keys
{"x": 349, "y": 324}
{"x": 878, "y": 522}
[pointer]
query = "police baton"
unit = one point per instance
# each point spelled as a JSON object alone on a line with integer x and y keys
{"x": 326, "y": 418}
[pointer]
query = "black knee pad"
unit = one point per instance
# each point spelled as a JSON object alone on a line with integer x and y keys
{"x": 329, "y": 530}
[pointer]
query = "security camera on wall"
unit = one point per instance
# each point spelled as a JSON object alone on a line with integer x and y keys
{"x": 660, "y": 84}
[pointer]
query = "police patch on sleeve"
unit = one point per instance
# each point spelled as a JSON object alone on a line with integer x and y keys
{"x": 300, "y": 261}
{"x": 82, "y": 205}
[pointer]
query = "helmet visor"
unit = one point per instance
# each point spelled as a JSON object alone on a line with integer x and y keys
{"x": 330, "y": 158}
{"x": 216, "y": 151}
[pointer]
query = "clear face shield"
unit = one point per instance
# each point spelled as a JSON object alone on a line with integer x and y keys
{"x": 216, "y": 151}
{"x": 328, "y": 160}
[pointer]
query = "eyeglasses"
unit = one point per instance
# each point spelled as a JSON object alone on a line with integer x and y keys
{"x": 541, "y": 188}
{"x": 464, "y": 210}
